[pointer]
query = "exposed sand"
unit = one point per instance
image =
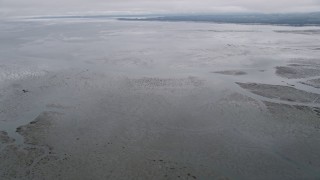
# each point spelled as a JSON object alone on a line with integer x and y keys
{"x": 4, "y": 138}
{"x": 281, "y": 92}
{"x": 314, "y": 83}
{"x": 295, "y": 72}
{"x": 231, "y": 72}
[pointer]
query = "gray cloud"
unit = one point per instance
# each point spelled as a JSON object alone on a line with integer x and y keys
{"x": 46, "y": 7}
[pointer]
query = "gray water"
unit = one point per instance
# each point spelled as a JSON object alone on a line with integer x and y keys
{"x": 145, "y": 100}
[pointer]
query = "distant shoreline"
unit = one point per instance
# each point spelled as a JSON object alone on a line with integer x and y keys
{"x": 292, "y": 19}
{"x": 301, "y": 19}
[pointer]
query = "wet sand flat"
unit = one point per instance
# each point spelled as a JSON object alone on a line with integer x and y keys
{"x": 313, "y": 82}
{"x": 281, "y": 92}
{"x": 108, "y": 99}
{"x": 297, "y": 71}
{"x": 231, "y": 72}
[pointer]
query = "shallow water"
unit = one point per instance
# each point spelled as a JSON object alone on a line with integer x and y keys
{"x": 141, "y": 100}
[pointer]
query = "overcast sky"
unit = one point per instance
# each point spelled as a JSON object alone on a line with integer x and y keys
{"x": 47, "y": 7}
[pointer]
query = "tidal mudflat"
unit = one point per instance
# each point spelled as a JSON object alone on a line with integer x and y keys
{"x": 108, "y": 99}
